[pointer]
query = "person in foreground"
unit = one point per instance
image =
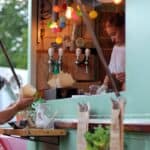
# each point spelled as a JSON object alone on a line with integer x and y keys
{"x": 20, "y": 104}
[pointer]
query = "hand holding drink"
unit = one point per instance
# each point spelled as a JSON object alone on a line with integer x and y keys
{"x": 26, "y": 98}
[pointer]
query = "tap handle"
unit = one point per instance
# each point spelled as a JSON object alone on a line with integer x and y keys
{"x": 87, "y": 53}
{"x": 78, "y": 52}
{"x": 51, "y": 52}
{"x": 60, "y": 52}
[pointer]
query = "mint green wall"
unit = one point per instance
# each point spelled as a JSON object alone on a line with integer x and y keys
{"x": 70, "y": 142}
{"x": 136, "y": 141}
{"x": 138, "y": 54}
{"x": 138, "y": 83}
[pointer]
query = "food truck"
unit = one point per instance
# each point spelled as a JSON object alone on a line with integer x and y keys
{"x": 67, "y": 43}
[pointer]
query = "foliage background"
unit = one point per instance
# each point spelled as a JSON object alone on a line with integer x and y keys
{"x": 13, "y": 31}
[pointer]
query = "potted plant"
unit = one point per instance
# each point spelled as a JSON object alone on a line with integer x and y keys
{"x": 98, "y": 139}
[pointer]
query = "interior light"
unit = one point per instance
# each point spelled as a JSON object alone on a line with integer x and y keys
{"x": 69, "y": 12}
{"x": 117, "y": 1}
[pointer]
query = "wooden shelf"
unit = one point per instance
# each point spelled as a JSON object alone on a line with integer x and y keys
{"x": 127, "y": 127}
{"x": 33, "y": 132}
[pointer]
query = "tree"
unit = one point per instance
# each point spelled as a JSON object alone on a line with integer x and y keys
{"x": 13, "y": 32}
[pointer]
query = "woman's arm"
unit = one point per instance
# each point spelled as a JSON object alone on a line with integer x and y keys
{"x": 11, "y": 111}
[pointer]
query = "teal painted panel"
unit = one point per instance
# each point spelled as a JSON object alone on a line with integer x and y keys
{"x": 69, "y": 142}
{"x": 34, "y": 146}
{"x": 138, "y": 54}
{"x": 137, "y": 141}
{"x": 100, "y": 106}
{"x": 68, "y": 108}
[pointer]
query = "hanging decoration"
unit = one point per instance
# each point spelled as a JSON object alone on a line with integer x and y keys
{"x": 64, "y": 7}
{"x": 62, "y": 22}
{"x": 68, "y": 13}
{"x": 79, "y": 13}
{"x": 56, "y": 8}
{"x": 54, "y": 13}
{"x": 62, "y": 12}
{"x": 59, "y": 40}
{"x": 93, "y": 14}
{"x": 75, "y": 16}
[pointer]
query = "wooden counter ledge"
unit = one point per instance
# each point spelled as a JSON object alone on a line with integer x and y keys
{"x": 127, "y": 127}
{"x": 33, "y": 132}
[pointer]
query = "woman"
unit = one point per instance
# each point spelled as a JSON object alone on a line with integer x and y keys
{"x": 115, "y": 28}
{"x": 11, "y": 110}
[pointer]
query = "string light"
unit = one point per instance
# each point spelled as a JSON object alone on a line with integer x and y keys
{"x": 69, "y": 12}
{"x": 75, "y": 16}
{"x": 93, "y": 14}
{"x": 56, "y": 8}
{"x": 59, "y": 40}
{"x": 53, "y": 25}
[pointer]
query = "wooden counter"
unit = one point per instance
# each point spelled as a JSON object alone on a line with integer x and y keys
{"x": 33, "y": 132}
{"x": 127, "y": 126}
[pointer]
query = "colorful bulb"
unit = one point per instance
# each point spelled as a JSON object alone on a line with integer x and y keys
{"x": 56, "y": 9}
{"x": 62, "y": 19}
{"x": 53, "y": 25}
{"x": 93, "y": 14}
{"x": 59, "y": 40}
{"x": 62, "y": 24}
{"x": 75, "y": 17}
{"x": 69, "y": 12}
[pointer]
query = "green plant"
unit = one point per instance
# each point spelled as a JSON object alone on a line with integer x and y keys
{"x": 32, "y": 109}
{"x": 99, "y": 139}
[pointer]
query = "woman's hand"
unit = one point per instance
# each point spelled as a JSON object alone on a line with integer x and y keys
{"x": 24, "y": 102}
{"x": 121, "y": 77}
{"x": 93, "y": 88}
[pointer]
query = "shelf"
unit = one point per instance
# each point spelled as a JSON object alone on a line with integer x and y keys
{"x": 33, "y": 132}
{"x": 128, "y": 127}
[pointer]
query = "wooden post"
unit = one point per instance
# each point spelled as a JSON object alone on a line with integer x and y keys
{"x": 82, "y": 126}
{"x": 117, "y": 127}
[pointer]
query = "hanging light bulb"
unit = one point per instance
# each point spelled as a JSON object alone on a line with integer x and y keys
{"x": 59, "y": 40}
{"x": 53, "y": 25}
{"x": 79, "y": 13}
{"x": 93, "y": 14}
{"x": 75, "y": 17}
{"x": 117, "y": 1}
{"x": 69, "y": 12}
{"x": 56, "y": 8}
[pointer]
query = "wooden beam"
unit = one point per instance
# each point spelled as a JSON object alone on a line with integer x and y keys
{"x": 127, "y": 127}
{"x": 33, "y": 132}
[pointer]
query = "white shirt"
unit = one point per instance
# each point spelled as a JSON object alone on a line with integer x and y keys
{"x": 117, "y": 61}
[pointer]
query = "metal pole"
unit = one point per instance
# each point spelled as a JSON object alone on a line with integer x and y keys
{"x": 10, "y": 64}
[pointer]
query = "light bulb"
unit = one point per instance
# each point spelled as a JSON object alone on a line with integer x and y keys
{"x": 69, "y": 12}
{"x": 93, "y": 14}
{"x": 53, "y": 25}
{"x": 117, "y": 1}
{"x": 59, "y": 40}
